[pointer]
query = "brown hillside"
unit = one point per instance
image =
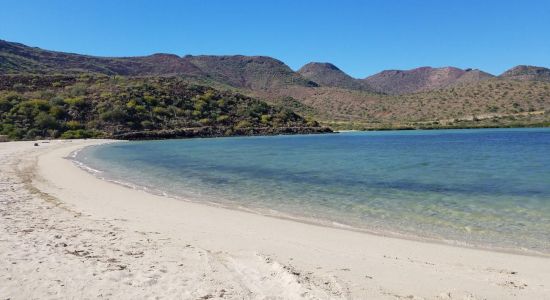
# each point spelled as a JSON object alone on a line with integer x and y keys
{"x": 321, "y": 90}
{"x": 527, "y": 73}
{"x": 251, "y": 72}
{"x": 397, "y": 82}
{"x": 18, "y": 58}
{"x": 327, "y": 74}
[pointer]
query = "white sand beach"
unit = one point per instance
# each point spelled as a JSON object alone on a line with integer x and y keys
{"x": 65, "y": 234}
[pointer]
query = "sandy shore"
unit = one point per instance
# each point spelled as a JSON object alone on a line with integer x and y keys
{"x": 66, "y": 234}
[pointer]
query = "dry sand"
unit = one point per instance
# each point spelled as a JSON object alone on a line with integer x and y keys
{"x": 66, "y": 234}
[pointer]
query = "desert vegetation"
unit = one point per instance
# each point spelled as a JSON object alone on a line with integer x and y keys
{"x": 64, "y": 106}
{"x": 159, "y": 94}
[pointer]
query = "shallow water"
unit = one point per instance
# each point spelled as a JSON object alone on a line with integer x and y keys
{"x": 486, "y": 187}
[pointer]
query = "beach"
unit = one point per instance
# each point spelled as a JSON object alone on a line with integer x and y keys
{"x": 67, "y": 234}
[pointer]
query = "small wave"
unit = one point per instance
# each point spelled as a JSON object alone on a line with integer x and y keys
{"x": 83, "y": 166}
{"x": 126, "y": 184}
{"x": 340, "y": 225}
{"x": 74, "y": 153}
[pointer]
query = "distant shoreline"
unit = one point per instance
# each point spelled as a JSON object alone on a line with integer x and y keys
{"x": 399, "y": 128}
{"x": 153, "y": 136}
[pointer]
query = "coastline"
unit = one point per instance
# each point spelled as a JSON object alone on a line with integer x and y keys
{"x": 247, "y": 255}
{"x": 270, "y": 213}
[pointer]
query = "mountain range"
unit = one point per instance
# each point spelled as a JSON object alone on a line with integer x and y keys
{"x": 447, "y": 96}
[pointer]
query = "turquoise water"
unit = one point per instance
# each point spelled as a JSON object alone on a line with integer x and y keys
{"x": 487, "y": 187}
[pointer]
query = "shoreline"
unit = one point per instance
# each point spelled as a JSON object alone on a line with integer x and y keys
{"x": 335, "y": 131}
{"x": 325, "y": 262}
{"x": 381, "y": 232}
{"x": 270, "y": 213}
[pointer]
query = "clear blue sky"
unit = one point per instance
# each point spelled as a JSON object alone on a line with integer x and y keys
{"x": 360, "y": 37}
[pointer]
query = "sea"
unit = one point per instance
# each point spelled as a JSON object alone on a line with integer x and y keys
{"x": 487, "y": 188}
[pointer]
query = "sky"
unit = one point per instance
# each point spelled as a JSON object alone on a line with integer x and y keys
{"x": 360, "y": 37}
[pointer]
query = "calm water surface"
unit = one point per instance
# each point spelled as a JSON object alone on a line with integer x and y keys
{"x": 487, "y": 188}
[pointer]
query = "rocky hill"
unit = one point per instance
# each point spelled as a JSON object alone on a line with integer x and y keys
{"x": 527, "y": 73}
{"x": 17, "y": 58}
{"x": 493, "y": 102}
{"x": 506, "y": 100}
{"x": 397, "y": 82}
{"x": 250, "y": 72}
{"x": 327, "y": 74}
{"x": 321, "y": 91}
